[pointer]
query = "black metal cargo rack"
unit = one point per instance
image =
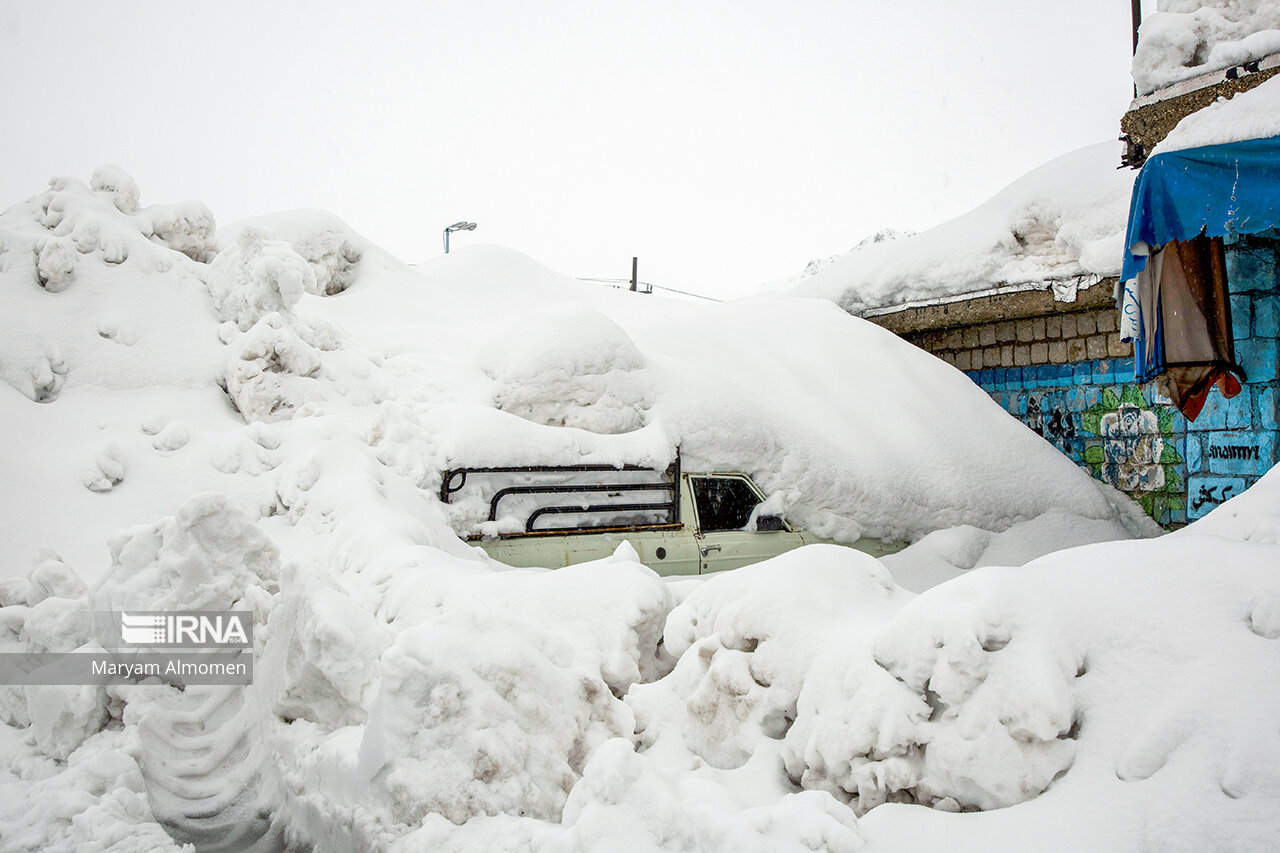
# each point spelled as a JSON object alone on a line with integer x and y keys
{"x": 455, "y": 479}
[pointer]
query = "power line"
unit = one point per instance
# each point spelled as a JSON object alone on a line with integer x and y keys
{"x": 651, "y": 287}
{"x": 687, "y": 293}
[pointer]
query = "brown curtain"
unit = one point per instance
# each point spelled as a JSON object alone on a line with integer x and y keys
{"x": 1195, "y": 314}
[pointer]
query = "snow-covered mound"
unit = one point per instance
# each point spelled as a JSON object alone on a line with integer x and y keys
{"x": 200, "y": 424}
{"x": 884, "y": 235}
{"x": 1064, "y": 220}
{"x": 827, "y": 411}
{"x": 332, "y": 249}
{"x": 1190, "y": 37}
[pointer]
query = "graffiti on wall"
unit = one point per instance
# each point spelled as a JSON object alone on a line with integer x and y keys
{"x": 1136, "y": 451}
{"x": 1050, "y": 422}
{"x": 1132, "y": 447}
{"x": 1116, "y": 434}
{"x": 1211, "y": 495}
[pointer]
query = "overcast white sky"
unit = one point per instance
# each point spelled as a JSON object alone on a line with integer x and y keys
{"x": 724, "y": 143}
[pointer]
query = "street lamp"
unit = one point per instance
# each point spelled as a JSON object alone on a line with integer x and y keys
{"x": 457, "y": 226}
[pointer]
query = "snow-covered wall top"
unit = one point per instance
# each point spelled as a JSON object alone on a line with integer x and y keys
{"x": 1249, "y": 115}
{"x": 1190, "y": 37}
{"x": 1063, "y": 220}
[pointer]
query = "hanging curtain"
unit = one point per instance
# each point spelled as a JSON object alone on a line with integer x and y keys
{"x": 1173, "y": 296}
{"x": 1195, "y": 323}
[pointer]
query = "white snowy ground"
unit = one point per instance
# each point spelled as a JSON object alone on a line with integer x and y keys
{"x": 260, "y": 423}
{"x": 1063, "y": 221}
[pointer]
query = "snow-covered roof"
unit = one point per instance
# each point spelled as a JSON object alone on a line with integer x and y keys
{"x": 1186, "y": 38}
{"x": 1062, "y": 221}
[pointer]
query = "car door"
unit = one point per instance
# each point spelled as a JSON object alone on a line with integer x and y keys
{"x": 666, "y": 550}
{"x": 723, "y": 504}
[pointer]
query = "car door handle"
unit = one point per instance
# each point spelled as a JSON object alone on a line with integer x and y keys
{"x": 707, "y": 549}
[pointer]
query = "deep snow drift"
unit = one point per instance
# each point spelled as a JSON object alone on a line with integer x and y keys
{"x": 258, "y": 421}
{"x": 1062, "y": 222}
{"x": 1185, "y": 38}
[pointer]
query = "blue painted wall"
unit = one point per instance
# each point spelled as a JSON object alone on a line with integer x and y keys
{"x": 1132, "y": 437}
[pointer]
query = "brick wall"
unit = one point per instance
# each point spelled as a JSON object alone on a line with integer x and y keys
{"x": 1061, "y": 338}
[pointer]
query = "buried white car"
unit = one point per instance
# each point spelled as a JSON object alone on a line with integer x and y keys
{"x": 679, "y": 523}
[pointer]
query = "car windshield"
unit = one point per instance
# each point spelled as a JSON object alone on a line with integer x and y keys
{"x": 724, "y": 503}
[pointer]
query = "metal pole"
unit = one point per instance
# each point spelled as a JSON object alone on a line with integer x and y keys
{"x": 446, "y": 241}
{"x": 1136, "y": 10}
{"x": 635, "y": 263}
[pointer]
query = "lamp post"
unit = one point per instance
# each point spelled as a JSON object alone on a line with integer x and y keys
{"x": 457, "y": 226}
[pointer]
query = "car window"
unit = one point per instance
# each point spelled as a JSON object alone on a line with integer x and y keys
{"x": 724, "y": 503}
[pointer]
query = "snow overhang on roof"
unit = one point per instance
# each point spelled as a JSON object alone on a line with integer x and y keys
{"x": 1058, "y": 228}
{"x": 1209, "y": 78}
{"x": 1063, "y": 290}
{"x": 1152, "y": 117}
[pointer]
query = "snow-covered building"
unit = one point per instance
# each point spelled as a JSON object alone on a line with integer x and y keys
{"x": 1021, "y": 293}
{"x": 1202, "y": 265}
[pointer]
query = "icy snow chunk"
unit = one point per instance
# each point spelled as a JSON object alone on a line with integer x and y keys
{"x": 95, "y": 802}
{"x": 273, "y": 373}
{"x": 107, "y": 470}
{"x": 334, "y": 250}
{"x": 57, "y": 624}
{"x": 51, "y": 577}
{"x": 952, "y": 704}
{"x": 155, "y": 422}
{"x": 480, "y": 714}
{"x": 119, "y": 184}
{"x": 1264, "y": 617}
{"x": 624, "y": 797}
{"x": 119, "y": 329}
{"x": 55, "y": 264}
{"x": 13, "y": 591}
{"x": 44, "y": 377}
{"x": 187, "y": 227}
{"x": 64, "y": 716}
{"x": 316, "y": 664}
{"x": 611, "y": 611}
{"x": 404, "y": 444}
{"x": 568, "y": 365}
{"x": 207, "y": 556}
{"x": 745, "y": 640}
{"x": 173, "y": 437}
{"x": 86, "y": 236}
{"x": 256, "y": 277}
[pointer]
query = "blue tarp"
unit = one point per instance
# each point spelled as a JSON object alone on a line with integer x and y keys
{"x": 1219, "y": 189}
